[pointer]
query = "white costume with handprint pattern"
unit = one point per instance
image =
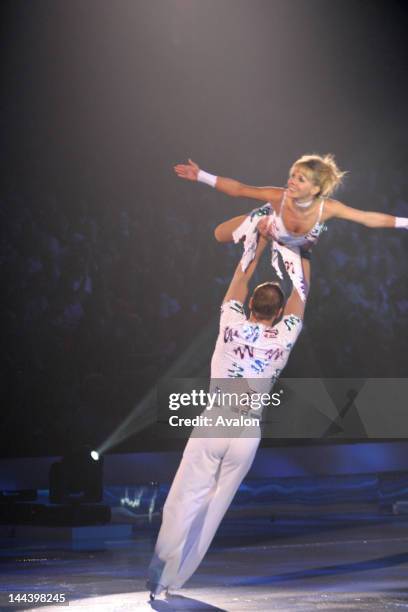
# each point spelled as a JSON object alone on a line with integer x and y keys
{"x": 213, "y": 466}
{"x": 285, "y": 242}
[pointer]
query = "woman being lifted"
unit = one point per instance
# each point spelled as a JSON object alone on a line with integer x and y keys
{"x": 293, "y": 218}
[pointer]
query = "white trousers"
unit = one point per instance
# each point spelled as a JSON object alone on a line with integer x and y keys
{"x": 206, "y": 481}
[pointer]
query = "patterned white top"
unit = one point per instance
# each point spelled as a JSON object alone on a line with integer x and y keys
{"x": 279, "y": 232}
{"x": 248, "y": 230}
{"x": 251, "y": 350}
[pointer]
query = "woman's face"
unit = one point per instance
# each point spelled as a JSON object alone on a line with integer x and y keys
{"x": 299, "y": 186}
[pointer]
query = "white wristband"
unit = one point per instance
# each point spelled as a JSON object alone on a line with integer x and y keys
{"x": 206, "y": 177}
{"x": 401, "y": 222}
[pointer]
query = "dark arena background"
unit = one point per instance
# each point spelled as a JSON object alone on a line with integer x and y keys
{"x": 112, "y": 280}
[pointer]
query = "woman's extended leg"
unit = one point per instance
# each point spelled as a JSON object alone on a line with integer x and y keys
{"x": 223, "y": 232}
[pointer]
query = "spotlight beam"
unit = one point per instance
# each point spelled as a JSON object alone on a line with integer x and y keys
{"x": 195, "y": 359}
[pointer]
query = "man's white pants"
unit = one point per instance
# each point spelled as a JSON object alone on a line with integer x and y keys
{"x": 206, "y": 481}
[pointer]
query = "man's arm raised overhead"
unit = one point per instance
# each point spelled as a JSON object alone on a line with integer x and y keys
{"x": 238, "y": 287}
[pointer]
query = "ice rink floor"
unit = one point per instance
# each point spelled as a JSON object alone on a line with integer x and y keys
{"x": 338, "y": 561}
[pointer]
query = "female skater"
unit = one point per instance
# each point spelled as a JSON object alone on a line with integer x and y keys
{"x": 294, "y": 217}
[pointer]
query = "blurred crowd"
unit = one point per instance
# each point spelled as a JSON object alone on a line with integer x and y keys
{"x": 101, "y": 298}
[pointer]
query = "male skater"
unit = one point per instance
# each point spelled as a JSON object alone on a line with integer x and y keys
{"x": 253, "y": 350}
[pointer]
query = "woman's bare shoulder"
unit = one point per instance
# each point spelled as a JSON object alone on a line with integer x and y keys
{"x": 276, "y": 195}
{"x": 330, "y": 208}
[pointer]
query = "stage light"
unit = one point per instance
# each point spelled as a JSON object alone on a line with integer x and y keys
{"x": 77, "y": 477}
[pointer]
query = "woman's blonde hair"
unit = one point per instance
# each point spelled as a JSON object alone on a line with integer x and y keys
{"x": 322, "y": 171}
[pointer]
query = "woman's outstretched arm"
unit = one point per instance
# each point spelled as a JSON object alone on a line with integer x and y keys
{"x": 367, "y": 218}
{"x": 231, "y": 187}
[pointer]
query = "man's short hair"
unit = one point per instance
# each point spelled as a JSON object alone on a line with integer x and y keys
{"x": 267, "y": 300}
